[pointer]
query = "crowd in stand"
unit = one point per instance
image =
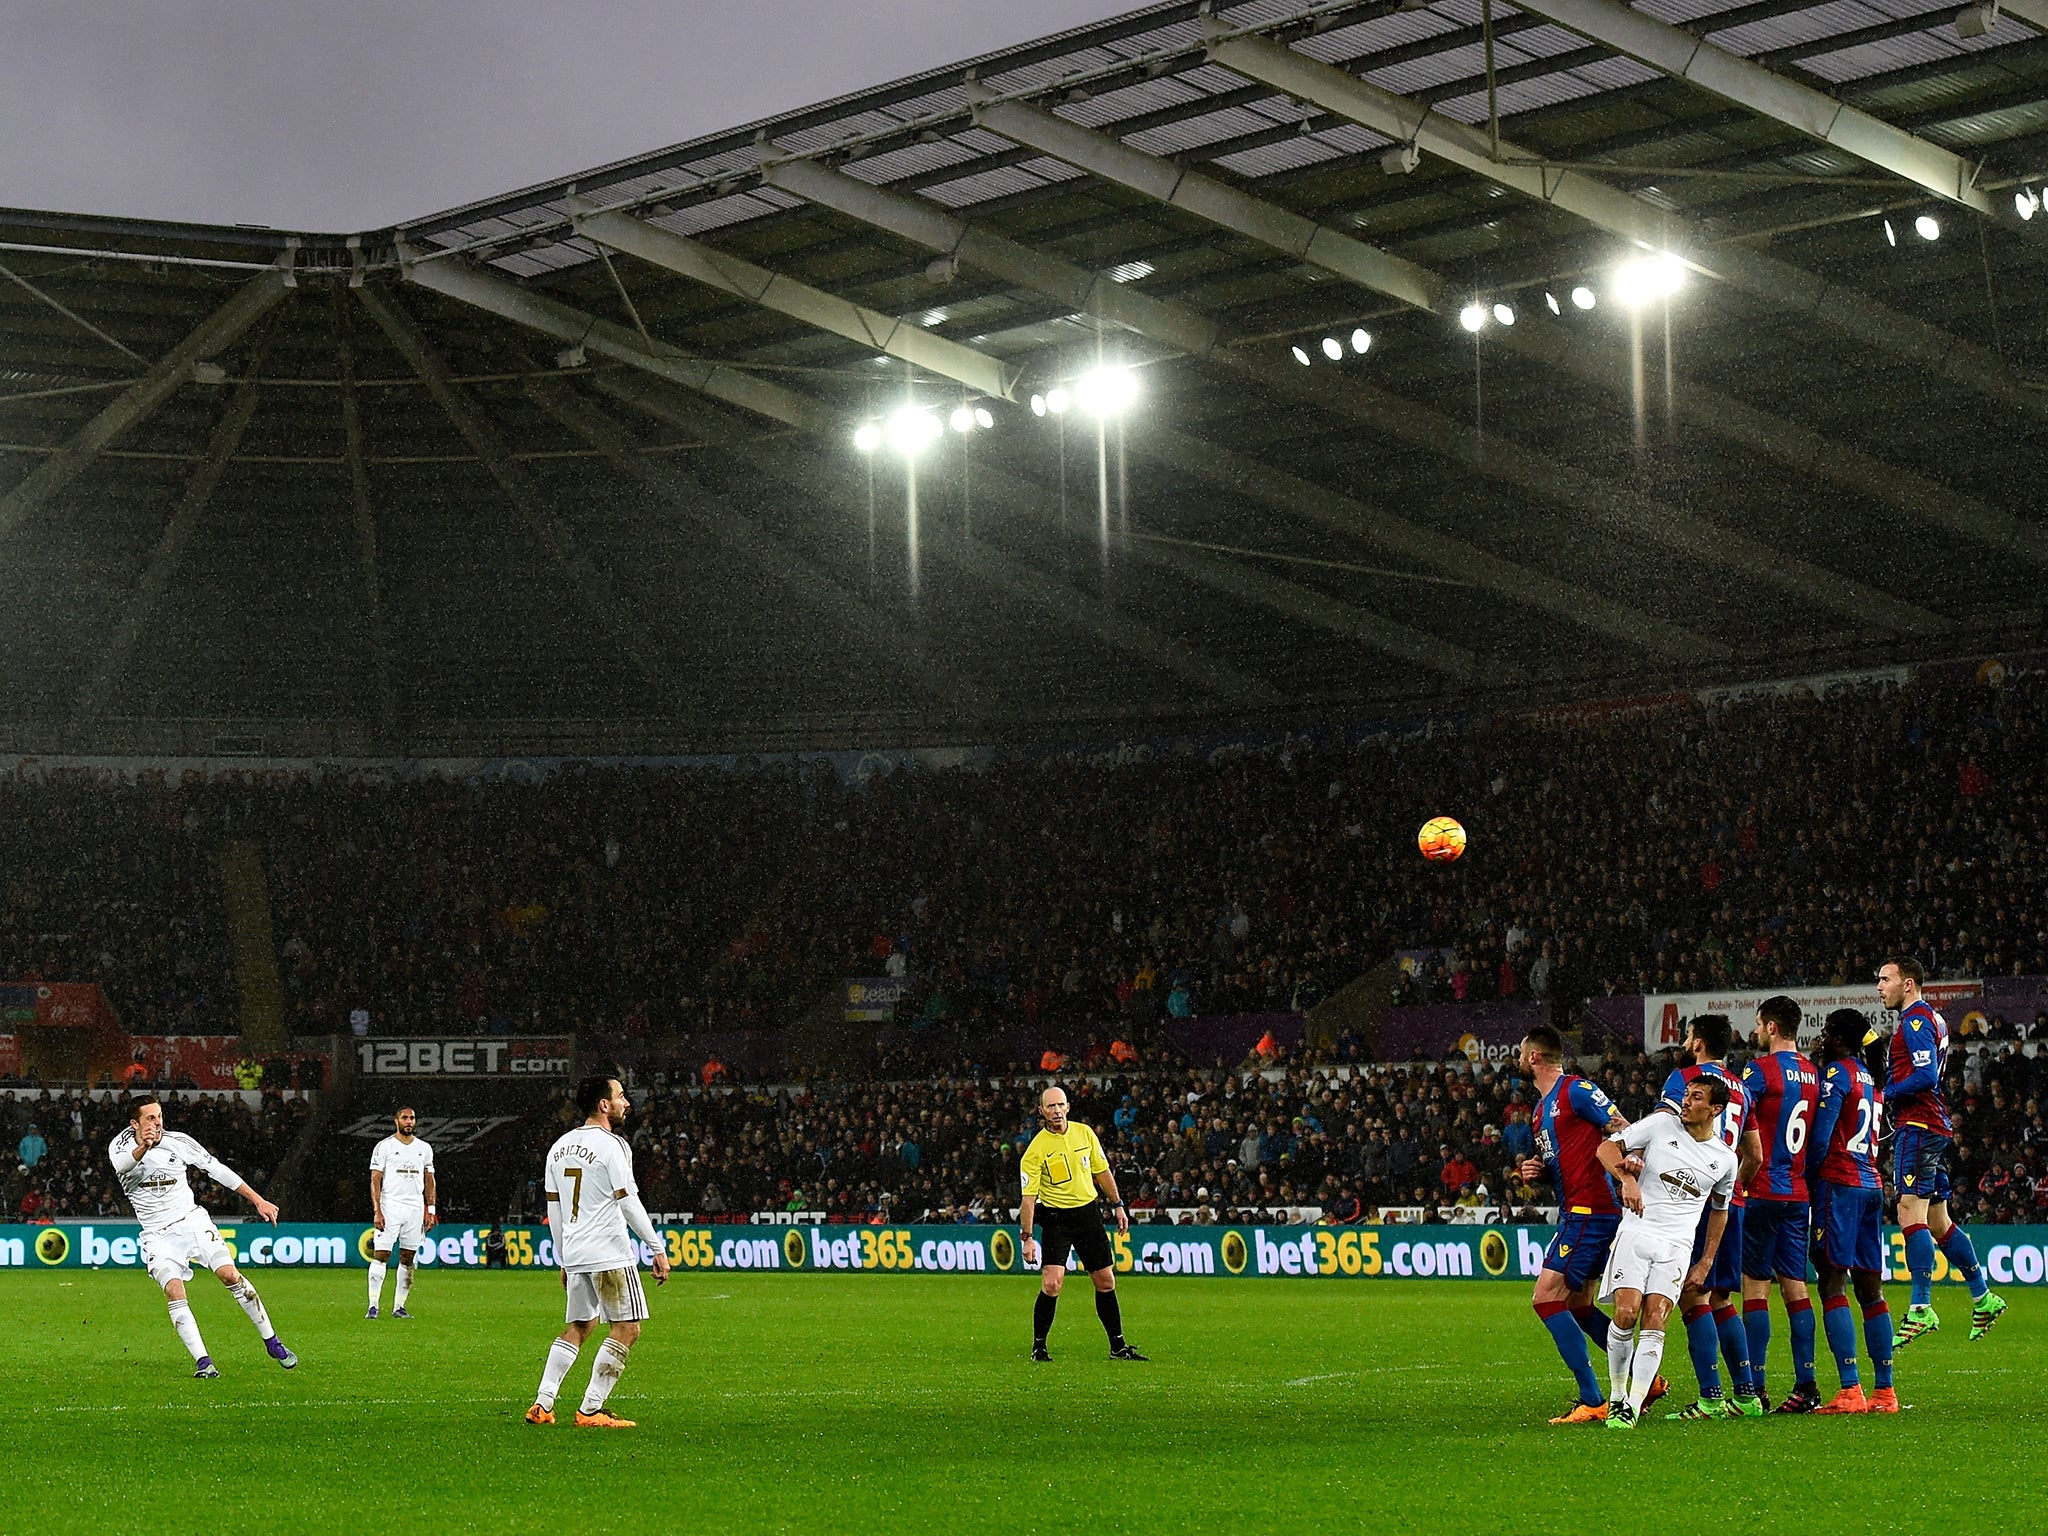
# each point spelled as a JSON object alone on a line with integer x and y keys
{"x": 59, "y": 1166}
{"x": 1322, "y": 1138}
{"x": 1777, "y": 840}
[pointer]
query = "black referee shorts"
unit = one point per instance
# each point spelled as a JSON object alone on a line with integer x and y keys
{"x": 1078, "y": 1230}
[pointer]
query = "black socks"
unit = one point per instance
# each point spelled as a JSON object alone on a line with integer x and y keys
{"x": 1041, "y": 1316}
{"x": 1112, "y": 1317}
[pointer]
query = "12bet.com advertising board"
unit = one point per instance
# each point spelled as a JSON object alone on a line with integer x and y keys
{"x": 2013, "y": 1255}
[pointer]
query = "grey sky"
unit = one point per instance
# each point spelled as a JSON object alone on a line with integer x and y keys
{"x": 352, "y": 114}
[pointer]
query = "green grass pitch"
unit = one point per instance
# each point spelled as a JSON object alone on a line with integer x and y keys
{"x": 822, "y": 1403}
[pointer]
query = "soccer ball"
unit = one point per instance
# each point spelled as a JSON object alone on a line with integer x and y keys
{"x": 1441, "y": 839}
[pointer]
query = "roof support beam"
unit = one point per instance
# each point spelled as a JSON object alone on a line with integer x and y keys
{"x": 1779, "y": 284}
{"x": 986, "y": 564}
{"x": 1207, "y": 198}
{"x": 1801, "y": 448}
{"x": 170, "y": 551}
{"x": 1376, "y": 409}
{"x": 217, "y": 332}
{"x": 2033, "y": 12}
{"x": 573, "y": 327}
{"x": 1678, "y": 53}
{"x": 365, "y": 530}
{"x": 813, "y": 306}
{"x": 591, "y": 590}
{"x": 775, "y": 563}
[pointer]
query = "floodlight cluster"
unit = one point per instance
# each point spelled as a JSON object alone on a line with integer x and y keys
{"x": 1333, "y": 348}
{"x": 1107, "y": 390}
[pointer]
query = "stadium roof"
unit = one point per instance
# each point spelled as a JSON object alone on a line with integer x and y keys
{"x": 574, "y": 469}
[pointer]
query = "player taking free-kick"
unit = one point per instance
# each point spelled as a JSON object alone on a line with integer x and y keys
{"x": 401, "y": 1207}
{"x": 1688, "y": 1173}
{"x": 592, "y": 1201}
{"x": 1571, "y": 1121}
{"x": 151, "y": 1165}
{"x": 1920, "y": 1153}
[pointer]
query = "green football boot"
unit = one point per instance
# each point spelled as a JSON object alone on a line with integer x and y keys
{"x": 1919, "y": 1321}
{"x": 1705, "y": 1408}
{"x": 1745, "y": 1405}
{"x": 1988, "y": 1311}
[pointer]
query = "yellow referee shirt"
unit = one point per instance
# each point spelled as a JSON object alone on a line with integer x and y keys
{"x": 1060, "y": 1171}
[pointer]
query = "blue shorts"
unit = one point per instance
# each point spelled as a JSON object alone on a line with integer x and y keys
{"x": 1847, "y": 1227}
{"x": 1726, "y": 1275}
{"x": 1774, "y": 1237}
{"x": 1920, "y": 1162}
{"x": 1579, "y": 1251}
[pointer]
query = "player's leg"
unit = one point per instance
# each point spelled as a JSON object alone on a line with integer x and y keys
{"x": 625, "y": 1308}
{"x": 1790, "y": 1262}
{"x": 243, "y": 1290}
{"x": 404, "y": 1286}
{"x": 580, "y": 1305}
{"x": 380, "y": 1264}
{"x": 1662, "y": 1282}
{"x": 1551, "y": 1301}
{"x": 182, "y": 1321}
{"x": 1916, "y": 1168}
{"x": 1877, "y": 1328}
{"x": 1759, "y": 1239}
{"x": 1954, "y": 1245}
{"x": 1621, "y": 1343}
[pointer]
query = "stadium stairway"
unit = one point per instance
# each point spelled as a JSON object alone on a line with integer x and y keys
{"x": 256, "y": 976}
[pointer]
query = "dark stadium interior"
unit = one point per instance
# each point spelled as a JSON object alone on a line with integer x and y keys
{"x": 481, "y": 486}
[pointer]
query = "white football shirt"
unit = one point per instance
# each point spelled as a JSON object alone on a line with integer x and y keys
{"x": 156, "y": 1186}
{"x": 589, "y": 1174}
{"x": 405, "y": 1169}
{"x": 1680, "y": 1176}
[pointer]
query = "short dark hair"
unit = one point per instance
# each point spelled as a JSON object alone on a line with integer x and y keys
{"x": 593, "y": 1091}
{"x": 1843, "y": 1033}
{"x": 1716, "y": 1086}
{"x": 1548, "y": 1042}
{"x": 1715, "y": 1031}
{"x": 137, "y": 1106}
{"x": 1909, "y": 968}
{"x": 1782, "y": 1014}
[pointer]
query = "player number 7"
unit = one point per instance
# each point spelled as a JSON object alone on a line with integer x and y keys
{"x": 575, "y": 1176}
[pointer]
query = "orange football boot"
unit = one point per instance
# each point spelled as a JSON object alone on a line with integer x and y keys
{"x": 539, "y": 1415}
{"x": 1883, "y": 1400}
{"x": 602, "y": 1420}
{"x": 1584, "y": 1413}
{"x": 1848, "y": 1400}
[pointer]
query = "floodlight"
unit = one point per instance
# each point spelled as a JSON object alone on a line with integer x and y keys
{"x": 1333, "y": 349}
{"x": 1647, "y": 278}
{"x": 910, "y": 431}
{"x": 1927, "y": 227}
{"x": 1472, "y": 317}
{"x": 1300, "y": 356}
{"x": 982, "y": 417}
{"x": 2026, "y": 202}
{"x": 1504, "y": 314}
{"x": 962, "y": 419}
{"x": 1583, "y": 297}
{"x": 867, "y": 437}
{"x": 1038, "y": 405}
{"x": 1891, "y": 236}
{"x": 1550, "y": 302}
{"x": 1057, "y": 400}
{"x": 1360, "y": 341}
{"x": 1106, "y": 390}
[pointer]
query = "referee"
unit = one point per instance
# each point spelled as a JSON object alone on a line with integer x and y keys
{"x": 1062, "y": 1168}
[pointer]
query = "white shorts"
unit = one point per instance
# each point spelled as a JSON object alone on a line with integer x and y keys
{"x": 1646, "y": 1262}
{"x": 190, "y": 1242}
{"x": 403, "y": 1230}
{"x": 613, "y": 1294}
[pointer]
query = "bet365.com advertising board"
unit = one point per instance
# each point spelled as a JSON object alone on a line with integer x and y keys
{"x": 2014, "y": 1255}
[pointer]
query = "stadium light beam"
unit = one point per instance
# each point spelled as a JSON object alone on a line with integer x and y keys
{"x": 1300, "y": 355}
{"x": 910, "y": 430}
{"x": 1504, "y": 313}
{"x": 1645, "y": 279}
{"x": 1109, "y": 390}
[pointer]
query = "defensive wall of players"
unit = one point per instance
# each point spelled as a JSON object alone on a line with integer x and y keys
{"x": 2020, "y": 1257}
